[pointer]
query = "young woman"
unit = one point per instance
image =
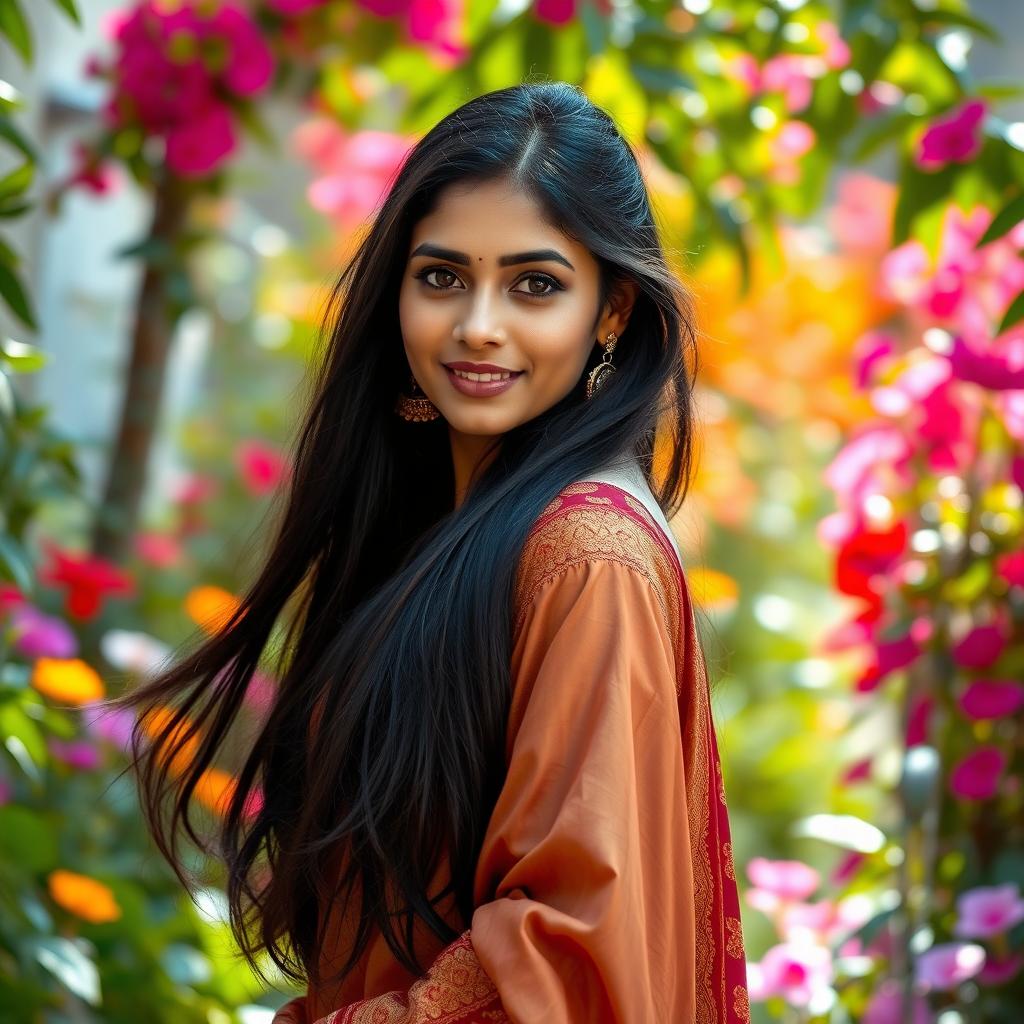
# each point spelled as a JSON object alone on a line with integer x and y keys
{"x": 488, "y": 787}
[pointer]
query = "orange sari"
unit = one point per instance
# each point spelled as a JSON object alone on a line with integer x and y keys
{"x": 605, "y": 889}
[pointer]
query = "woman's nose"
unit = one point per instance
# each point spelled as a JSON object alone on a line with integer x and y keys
{"x": 482, "y": 319}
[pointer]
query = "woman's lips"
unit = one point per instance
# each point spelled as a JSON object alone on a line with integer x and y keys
{"x": 480, "y": 388}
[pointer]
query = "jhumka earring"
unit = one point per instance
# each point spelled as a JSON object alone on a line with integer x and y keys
{"x": 416, "y": 408}
{"x": 599, "y": 375}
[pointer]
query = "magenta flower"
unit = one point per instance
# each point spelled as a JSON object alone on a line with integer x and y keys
{"x": 111, "y": 725}
{"x": 976, "y": 776}
{"x": 868, "y": 459}
{"x": 988, "y": 910}
{"x": 992, "y": 698}
{"x": 787, "y": 879}
{"x": 945, "y": 966}
{"x": 999, "y": 972}
{"x": 197, "y": 146}
{"x": 555, "y": 12}
{"x": 262, "y": 467}
{"x": 36, "y": 635}
{"x": 1011, "y": 566}
{"x": 980, "y": 646}
{"x": 871, "y": 348}
{"x": 77, "y": 754}
{"x": 250, "y": 64}
{"x": 956, "y": 138}
{"x": 796, "y": 971}
{"x": 886, "y": 1006}
{"x": 995, "y": 372}
{"x": 162, "y": 550}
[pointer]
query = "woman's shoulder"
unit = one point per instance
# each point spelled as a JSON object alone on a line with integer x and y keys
{"x": 596, "y": 520}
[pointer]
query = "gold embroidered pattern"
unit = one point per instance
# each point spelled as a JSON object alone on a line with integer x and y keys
{"x": 741, "y": 1003}
{"x": 730, "y": 869}
{"x": 594, "y": 499}
{"x": 582, "y": 487}
{"x": 455, "y": 989}
{"x": 579, "y": 532}
{"x": 553, "y": 506}
{"x": 734, "y": 943}
{"x": 640, "y": 509}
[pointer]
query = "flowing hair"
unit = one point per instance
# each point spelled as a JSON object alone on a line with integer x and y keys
{"x": 385, "y": 612}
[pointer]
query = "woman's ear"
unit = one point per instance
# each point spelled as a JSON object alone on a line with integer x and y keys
{"x": 619, "y": 307}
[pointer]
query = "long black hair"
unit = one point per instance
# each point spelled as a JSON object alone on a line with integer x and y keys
{"x": 385, "y": 738}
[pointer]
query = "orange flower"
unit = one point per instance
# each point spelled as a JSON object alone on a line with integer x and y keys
{"x": 210, "y": 607}
{"x": 156, "y": 720}
{"x": 83, "y": 896}
{"x": 712, "y": 589}
{"x": 67, "y": 680}
{"x": 215, "y": 789}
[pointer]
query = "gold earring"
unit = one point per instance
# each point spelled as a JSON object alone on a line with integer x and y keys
{"x": 599, "y": 375}
{"x": 416, "y": 408}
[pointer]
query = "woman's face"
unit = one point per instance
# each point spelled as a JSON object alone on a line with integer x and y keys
{"x": 489, "y": 282}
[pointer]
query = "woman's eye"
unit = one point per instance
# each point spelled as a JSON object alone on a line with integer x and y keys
{"x": 551, "y": 284}
{"x": 443, "y": 271}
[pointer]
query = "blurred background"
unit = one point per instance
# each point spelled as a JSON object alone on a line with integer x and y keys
{"x": 841, "y": 185}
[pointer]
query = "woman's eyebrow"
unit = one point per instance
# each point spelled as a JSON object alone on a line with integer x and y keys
{"x": 454, "y": 256}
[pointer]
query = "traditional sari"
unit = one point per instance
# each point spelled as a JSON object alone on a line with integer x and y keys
{"x": 605, "y": 888}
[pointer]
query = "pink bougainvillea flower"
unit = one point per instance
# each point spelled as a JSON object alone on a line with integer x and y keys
{"x": 988, "y": 910}
{"x": 980, "y": 646}
{"x": 77, "y": 754}
{"x": 197, "y": 146}
{"x": 111, "y": 725}
{"x": 867, "y": 555}
{"x": 847, "y": 867}
{"x": 955, "y": 138}
{"x": 861, "y": 218}
{"x": 871, "y": 350}
{"x": 992, "y": 698}
{"x": 859, "y": 771}
{"x": 995, "y": 372}
{"x": 88, "y": 580}
{"x": 949, "y": 964}
{"x": 36, "y": 635}
{"x": 10, "y": 597}
{"x": 92, "y": 172}
{"x": 856, "y": 470}
{"x": 788, "y": 879}
{"x": 999, "y": 972}
{"x": 792, "y": 75}
{"x": 360, "y": 169}
{"x": 193, "y": 489}
{"x": 796, "y": 971}
{"x": 161, "y": 550}
{"x": 262, "y": 467}
{"x": 886, "y": 1006}
{"x": 1011, "y": 566}
{"x": 791, "y": 141}
{"x": 250, "y": 64}
{"x": 825, "y": 920}
{"x": 977, "y": 776}
{"x": 837, "y": 51}
{"x": 555, "y": 12}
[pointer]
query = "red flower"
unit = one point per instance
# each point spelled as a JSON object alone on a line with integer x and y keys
{"x": 87, "y": 579}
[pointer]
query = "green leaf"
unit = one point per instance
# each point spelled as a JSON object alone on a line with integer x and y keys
{"x": 15, "y": 183}
{"x": 68, "y": 7}
{"x": 1013, "y": 315}
{"x": 21, "y": 357}
{"x": 70, "y": 966}
{"x": 250, "y": 117}
{"x": 14, "y": 563}
{"x": 1008, "y": 217}
{"x": 15, "y": 296}
{"x": 10, "y": 132}
{"x": 960, "y": 19}
{"x": 14, "y": 26}
{"x": 14, "y": 723}
{"x": 27, "y": 840}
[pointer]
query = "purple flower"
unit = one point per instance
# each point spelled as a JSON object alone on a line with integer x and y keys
{"x": 886, "y": 1006}
{"x": 112, "y": 725}
{"x": 988, "y": 910}
{"x": 77, "y": 754}
{"x": 41, "y": 636}
{"x": 945, "y": 966}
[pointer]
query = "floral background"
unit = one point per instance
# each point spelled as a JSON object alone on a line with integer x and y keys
{"x": 842, "y": 186}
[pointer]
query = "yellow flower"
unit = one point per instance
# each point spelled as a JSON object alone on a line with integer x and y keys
{"x": 67, "y": 680}
{"x": 210, "y": 607}
{"x": 215, "y": 789}
{"x": 83, "y": 896}
{"x": 712, "y": 589}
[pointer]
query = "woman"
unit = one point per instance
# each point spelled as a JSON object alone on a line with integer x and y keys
{"x": 488, "y": 787}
